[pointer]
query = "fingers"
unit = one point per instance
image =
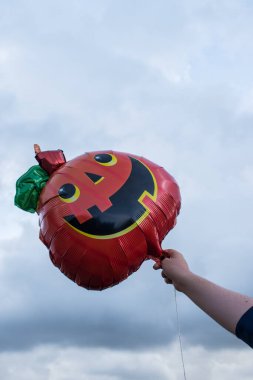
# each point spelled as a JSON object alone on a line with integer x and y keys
{"x": 165, "y": 254}
{"x": 164, "y": 261}
{"x": 163, "y": 274}
{"x": 166, "y": 279}
{"x": 157, "y": 266}
{"x": 170, "y": 253}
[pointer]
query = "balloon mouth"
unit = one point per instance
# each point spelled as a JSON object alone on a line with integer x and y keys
{"x": 128, "y": 208}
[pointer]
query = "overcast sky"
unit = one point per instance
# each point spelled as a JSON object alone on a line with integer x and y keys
{"x": 171, "y": 81}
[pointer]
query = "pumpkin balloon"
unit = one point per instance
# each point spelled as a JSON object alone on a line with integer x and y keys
{"x": 100, "y": 214}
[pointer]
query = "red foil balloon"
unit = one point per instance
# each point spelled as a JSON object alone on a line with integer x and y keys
{"x": 103, "y": 213}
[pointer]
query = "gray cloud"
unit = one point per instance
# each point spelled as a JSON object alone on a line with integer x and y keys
{"x": 41, "y": 306}
{"x": 100, "y": 364}
{"x": 171, "y": 82}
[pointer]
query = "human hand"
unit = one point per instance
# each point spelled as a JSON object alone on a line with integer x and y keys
{"x": 174, "y": 267}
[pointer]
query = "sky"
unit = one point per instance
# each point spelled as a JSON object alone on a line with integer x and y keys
{"x": 168, "y": 80}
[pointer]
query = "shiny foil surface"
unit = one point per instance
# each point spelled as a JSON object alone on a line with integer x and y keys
{"x": 103, "y": 213}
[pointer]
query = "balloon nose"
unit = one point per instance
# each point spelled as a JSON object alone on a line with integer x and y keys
{"x": 95, "y": 177}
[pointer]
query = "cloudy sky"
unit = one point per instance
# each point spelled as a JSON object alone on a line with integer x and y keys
{"x": 171, "y": 81}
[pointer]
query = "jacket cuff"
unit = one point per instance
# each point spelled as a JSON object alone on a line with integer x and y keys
{"x": 244, "y": 327}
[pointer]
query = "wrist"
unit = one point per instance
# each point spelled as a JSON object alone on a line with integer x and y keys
{"x": 185, "y": 282}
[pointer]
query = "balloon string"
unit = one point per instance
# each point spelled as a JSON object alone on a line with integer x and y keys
{"x": 179, "y": 333}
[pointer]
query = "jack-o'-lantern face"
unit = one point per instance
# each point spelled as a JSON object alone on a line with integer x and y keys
{"x": 104, "y": 193}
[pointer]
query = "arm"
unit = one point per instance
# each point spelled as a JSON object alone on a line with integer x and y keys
{"x": 224, "y": 306}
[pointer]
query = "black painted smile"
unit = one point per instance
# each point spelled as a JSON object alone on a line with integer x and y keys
{"x": 126, "y": 208}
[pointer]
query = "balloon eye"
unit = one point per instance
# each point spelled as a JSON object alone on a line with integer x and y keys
{"x": 106, "y": 159}
{"x": 69, "y": 193}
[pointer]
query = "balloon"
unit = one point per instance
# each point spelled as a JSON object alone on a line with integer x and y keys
{"x": 101, "y": 214}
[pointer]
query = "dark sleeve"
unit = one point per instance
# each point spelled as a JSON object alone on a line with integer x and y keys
{"x": 244, "y": 328}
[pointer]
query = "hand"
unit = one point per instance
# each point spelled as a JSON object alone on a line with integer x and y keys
{"x": 174, "y": 267}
